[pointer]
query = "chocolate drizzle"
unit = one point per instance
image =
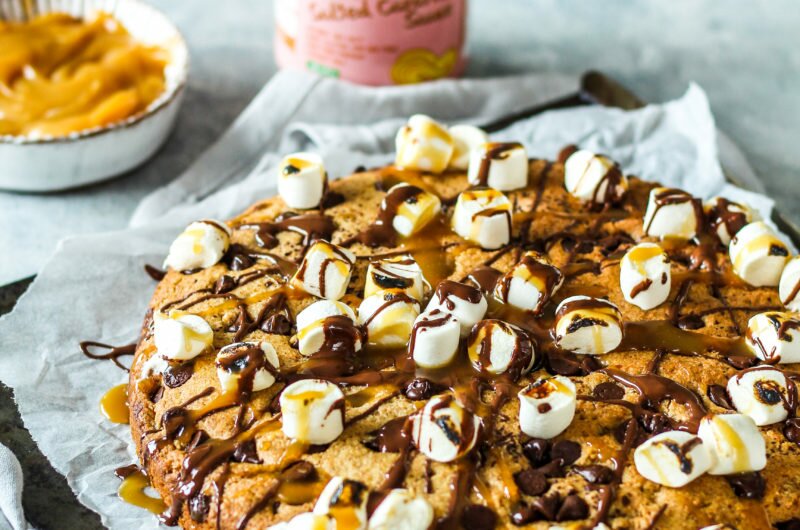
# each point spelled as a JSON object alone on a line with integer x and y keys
{"x": 497, "y": 151}
{"x": 726, "y": 213}
{"x": 154, "y": 272}
{"x": 655, "y": 389}
{"x": 381, "y": 233}
{"x": 113, "y": 354}
{"x": 672, "y": 196}
{"x": 543, "y": 274}
{"x": 485, "y": 278}
{"x": 310, "y": 225}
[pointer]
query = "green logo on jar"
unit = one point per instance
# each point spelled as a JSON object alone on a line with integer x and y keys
{"x": 321, "y": 69}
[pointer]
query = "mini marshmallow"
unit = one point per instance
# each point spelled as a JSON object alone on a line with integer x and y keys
{"x": 497, "y": 347}
{"x": 302, "y": 180}
{"x": 774, "y": 335}
{"x": 502, "y": 166}
{"x": 434, "y": 339}
{"x": 592, "y": 177}
{"x": 412, "y": 207}
{"x": 401, "y": 510}
{"x": 789, "y": 285}
{"x": 672, "y": 213}
{"x": 201, "y": 245}
{"x": 735, "y": 443}
{"x": 763, "y": 393}
{"x": 307, "y": 521}
{"x": 312, "y": 411}
{"x": 483, "y": 216}
{"x": 673, "y": 458}
{"x": 396, "y": 272}
{"x": 180, "y": 336}
{"x": 423, "y": 144}
{"x": 388, "y": 317}
{"x": 444, "y": 430}
{"x": 325, "y": 271}
{"x": 466, "y": 139}
{"x": 346, "y": 501}
{"x": 465, "y": 302}
{"x": 726, "y": 217}
{"x": 645, "y": 276}
{"x": 530, "y": 284}
{"x": 758, "y": 255}
{"x": 547, "y": 406}
{"x": 588, "y": 325}
{"x": 311, "y": 324}
{"x": 235, "y": 362}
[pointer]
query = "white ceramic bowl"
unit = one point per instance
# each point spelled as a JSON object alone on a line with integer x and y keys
{"x": 50, "y": 164}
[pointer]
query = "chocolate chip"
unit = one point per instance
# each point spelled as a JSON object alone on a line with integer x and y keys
{"x": 740, "y": 362}
{"x": 566, "y": 450}
{"x": 547, "y": 506}
{"x": 277, "y": 325}
{"x": 792, "y": 430}
{"x": 718, "y": 395}
{"x": 552, "y": 469}
{"x": 198, "y": 507}
{"x": 224, "y": 284}
{"x": 531, "y": 482}
{"x": 198, "y": 438}
{"x": 544, "y": 408}
{"x": 173, "y": 422}
{"x": 584, "y": 247}
{"x": 596, "y": 474}
{"x": 246, "y": 453}
{"x": 300, "y": 471}
{"x": 156, "y": 394}
{"x": 568, "y": 243}
{"x": 573, "y": 508}
{"x": 537, "y": 451}
{"x": 655, "y": 422}
{"x": 420, "y": 389}
{"x": 590, "y": 364}
{"x": 791, "y": 524}
{"x": 332, "y": 198}
{"x": 522, "y": 513}
{"x": 619, "y": 434}
{"x": 619, "y": 431}
{"x": 747, "y": 485}
{"x": 240, "y": 262}
{"x": 477, "y": 517}
{"x": 608, "y": 390}
{"x": 176, "y": 375}
{"x": 691, "y": 322}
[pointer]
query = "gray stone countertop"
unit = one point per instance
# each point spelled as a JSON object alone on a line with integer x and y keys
{"x": 743, "y": 52}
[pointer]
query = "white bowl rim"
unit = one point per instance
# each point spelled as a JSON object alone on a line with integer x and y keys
{"x": 168, "y": 96}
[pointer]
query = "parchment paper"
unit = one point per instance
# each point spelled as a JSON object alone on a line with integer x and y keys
{"x": 93, "y": 287}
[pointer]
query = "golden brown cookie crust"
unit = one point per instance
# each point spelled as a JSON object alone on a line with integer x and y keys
{"x": 544, "y": 210}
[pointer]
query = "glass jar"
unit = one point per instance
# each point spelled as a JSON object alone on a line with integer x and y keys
{"x": 372, "y": 42}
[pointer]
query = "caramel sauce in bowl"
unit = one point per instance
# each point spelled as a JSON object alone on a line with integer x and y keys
{"x": 88, "y": 90}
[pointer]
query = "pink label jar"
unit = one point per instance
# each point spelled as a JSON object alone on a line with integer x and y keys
{"x": 372, "y": 42}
